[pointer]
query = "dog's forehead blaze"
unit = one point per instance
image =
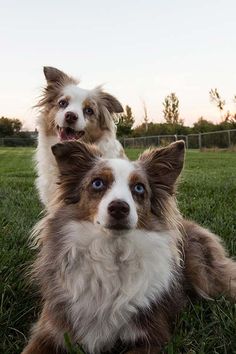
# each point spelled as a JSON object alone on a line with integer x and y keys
{"x": 76, "y": 92}
{"x": 121, "y": 169}
{"x": 127, "y": 172}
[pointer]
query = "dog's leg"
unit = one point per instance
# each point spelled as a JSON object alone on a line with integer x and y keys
{"x": 47, "y": 337}
{"x": 207, "y": 267}
{"x": 42, "y": 345}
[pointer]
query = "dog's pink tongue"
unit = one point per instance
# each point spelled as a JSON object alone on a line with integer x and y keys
{"x": 62, "y": 134}
{"x": 67, "y": 134}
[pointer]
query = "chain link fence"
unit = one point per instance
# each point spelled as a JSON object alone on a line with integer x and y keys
{"x": 218, "y": 139}
{"x": 222, "y": 139}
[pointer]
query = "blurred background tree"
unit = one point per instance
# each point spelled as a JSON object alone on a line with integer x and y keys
{"x": 145, "y": 116}
{"x": 218, "y": 101}
{"x": 171, "y": 109}
{"x": 9, "y": 127}
{"x": 125, "y": 123}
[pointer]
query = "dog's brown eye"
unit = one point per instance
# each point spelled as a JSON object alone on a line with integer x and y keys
{"x": 88, "y": 111}
{"x": 63, "y": 103}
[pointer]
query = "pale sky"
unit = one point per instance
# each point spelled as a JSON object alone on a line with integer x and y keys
{"x": 140, "y": 50}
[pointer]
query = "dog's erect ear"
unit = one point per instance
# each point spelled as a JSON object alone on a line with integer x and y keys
{"x": 55, "y": 76}
{"x": 163, "y": 166}
{"x": 75, "y": 157}
{"x": 110, "y": 102}
{"x": 74, "y": 160}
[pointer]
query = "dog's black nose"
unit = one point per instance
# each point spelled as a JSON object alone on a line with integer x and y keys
{"x": 118, "y": 209}
{"x": 71, "y": 117}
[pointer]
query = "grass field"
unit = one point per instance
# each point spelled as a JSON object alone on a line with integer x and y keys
{"x": 207, "y": 194}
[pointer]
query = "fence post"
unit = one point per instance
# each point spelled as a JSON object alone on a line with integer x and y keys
{"x": 158, "y": 140}
{"x": 229, "y": 140}
{"x": 200, "y": 140}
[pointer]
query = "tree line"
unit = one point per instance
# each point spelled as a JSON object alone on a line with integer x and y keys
{"x": 174, "y": 124}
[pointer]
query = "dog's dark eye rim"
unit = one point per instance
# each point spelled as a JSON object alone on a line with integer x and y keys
{"x": 98, "y": 184}
{"x": 138, "y": 188}
{"x": 88, "y": 111}
{"x": 63, "y": 103}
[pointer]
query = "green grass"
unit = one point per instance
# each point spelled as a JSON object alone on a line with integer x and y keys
{"x": 206, "y": 194}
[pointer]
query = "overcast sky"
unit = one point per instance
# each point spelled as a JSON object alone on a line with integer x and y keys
{"x": 140, "y": 50}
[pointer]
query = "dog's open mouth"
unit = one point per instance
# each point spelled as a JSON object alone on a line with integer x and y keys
{"x": 67, "y": 133}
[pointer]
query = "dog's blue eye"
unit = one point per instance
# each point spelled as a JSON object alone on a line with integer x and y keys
{"x": 98, "y": 184}
{"x": 139, "y": 188}
{"x": 88, "y": 111}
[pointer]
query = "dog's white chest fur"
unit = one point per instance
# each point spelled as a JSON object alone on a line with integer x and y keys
{"x": 108, "y": 278}
{"x": 46, "y": 167}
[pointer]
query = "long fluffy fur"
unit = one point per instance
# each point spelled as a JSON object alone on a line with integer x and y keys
{"x": 121, "y": 290}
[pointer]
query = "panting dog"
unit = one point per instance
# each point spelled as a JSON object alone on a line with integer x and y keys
{"x": 68, "y": 112}
{"x": 117, "y": 261}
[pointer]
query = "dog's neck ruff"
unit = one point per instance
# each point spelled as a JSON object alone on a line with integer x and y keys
{"x": 107, "y": 279}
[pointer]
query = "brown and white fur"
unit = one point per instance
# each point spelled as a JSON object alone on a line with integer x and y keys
{"x": 117, "y": 260}
{"x": 68, "y": 112}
